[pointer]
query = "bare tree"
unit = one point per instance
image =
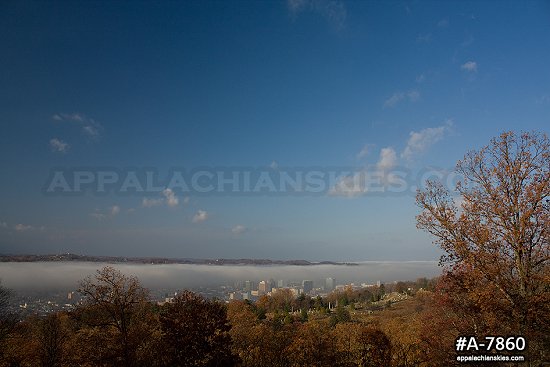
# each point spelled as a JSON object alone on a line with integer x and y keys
{"x": 114, "y": 299}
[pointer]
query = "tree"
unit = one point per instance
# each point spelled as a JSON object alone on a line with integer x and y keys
{"x": 497, "y": 238}
{"x": 52, "y": 335}
{"x": 112, "y": 305}
{"x": 362, "y": 345}
{"x": 7, "y": 321}
{"x": 196, "y": 332}
{"x": 313, "y": 345}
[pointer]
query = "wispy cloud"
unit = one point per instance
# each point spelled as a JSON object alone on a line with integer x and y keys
{"x": 420, "y": 141}
{"x": 58, "y": 145}
{"x": 148, "y": 203}
{"x": 544, "y": 99}
{"x": 365, "y": 151}
{"x": 334, "y": 11}
{"x": 469, "y": 66}
{"x": 424, "y": 38}
{"x": 200, "y": 216}
{"x": 110, "y": 212}
{"x": 23, "y": 227}
{"x": 89, "y": 126}
{"x": 3, "y": 225}
{"x": 413, "y": 95}
{"x": 239, "y": 229}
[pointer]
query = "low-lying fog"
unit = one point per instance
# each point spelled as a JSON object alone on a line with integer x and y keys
{"x": 65, "y": 275}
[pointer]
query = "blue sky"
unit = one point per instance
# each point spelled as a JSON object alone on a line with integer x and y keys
{"x": 303, "y": 83}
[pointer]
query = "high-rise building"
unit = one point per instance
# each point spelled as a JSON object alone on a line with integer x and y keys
{"x": 330, "y": 284}
{"x": 307, "y": 286}
{"x": 264, "y": 286}
{"x": 248, "y": 286}
{"x": 281, "y": 283}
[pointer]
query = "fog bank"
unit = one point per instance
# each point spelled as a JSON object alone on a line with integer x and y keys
{"x": 65, "y": 275}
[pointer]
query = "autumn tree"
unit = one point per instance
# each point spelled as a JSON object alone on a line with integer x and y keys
{"x": 362, "y": 345}
{"x": 196, "y": 332}
{"x": 497, "y": 238}
{"x": 313, "y": 345}
{"x": 111, "y": 308}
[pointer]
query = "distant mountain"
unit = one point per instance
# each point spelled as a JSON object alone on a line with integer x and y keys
{"x": 160, "y": 260}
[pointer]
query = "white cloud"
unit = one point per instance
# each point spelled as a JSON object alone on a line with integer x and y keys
{"x": 388, "y": 159}
{"x": 148, "y": 203}
{"x": 350, "y": 186}
{"x": 186, "y": 200}
{"x": 200, "y": 216}
{"x": 420, "y": 141}
{"x": 58, "y": 145}
{"x": 274, "y": 165}
{"x": 239, "y": 229}
{"x": 115, "y": 209}
{"x": 171, "y": 198}
{"x": 23, "y": 227}
{"x": 413, "y": 95}
{"x": 470, "y": 66}
{"x": 365, "y": 151}
{"x": 355, "y": 184}
{"x": 107, "y": 213}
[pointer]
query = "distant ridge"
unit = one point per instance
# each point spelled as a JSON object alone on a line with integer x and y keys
{"x": 161, "y": 260}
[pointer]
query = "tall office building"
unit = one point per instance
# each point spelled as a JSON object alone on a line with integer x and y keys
{"x": 330, "y": 284}
{"x": 307, "y": 286}
{"x": 264, "y": 286}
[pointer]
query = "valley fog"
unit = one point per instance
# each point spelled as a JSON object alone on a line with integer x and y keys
{"x": 61, "y": 276}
